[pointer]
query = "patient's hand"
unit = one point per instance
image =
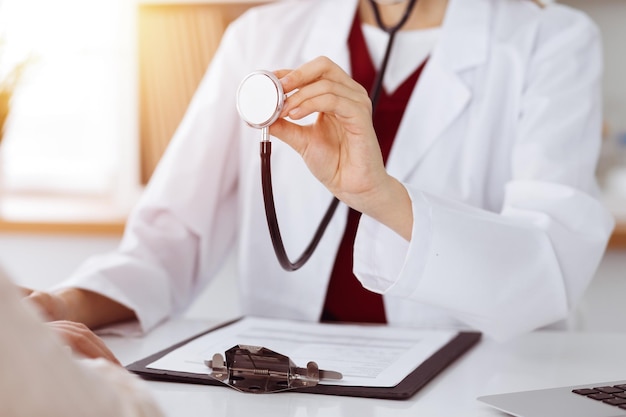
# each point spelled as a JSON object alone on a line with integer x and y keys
{"x": 77, "y": 336}
{"x": 81, "y": 340}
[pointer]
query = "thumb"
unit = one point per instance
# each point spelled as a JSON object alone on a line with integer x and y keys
{"x": 290, "y": 133}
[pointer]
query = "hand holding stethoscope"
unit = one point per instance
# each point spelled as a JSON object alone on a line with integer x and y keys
{"x": 340, "y": 148}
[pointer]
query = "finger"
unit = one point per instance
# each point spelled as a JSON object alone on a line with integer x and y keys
{"x": 321, "y": 67}
{"x": 87, "y": 341}
{"x": 281, "y": 73}
{"x": 349, "y": 91}
{"x": 83, "y": 341}
{"x": 291, "y": 134}
{"x": 339, "y": 98}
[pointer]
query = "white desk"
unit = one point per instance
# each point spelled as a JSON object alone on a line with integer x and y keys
{"x": 536, "y": 360}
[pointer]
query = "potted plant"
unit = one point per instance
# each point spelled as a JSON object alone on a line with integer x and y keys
{"x": 10, "y": 75}
{"x": 5, "y": 98}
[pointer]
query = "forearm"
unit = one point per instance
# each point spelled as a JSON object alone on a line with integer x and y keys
{"x": 93, "y": 309}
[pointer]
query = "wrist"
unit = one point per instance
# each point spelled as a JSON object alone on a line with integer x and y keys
{"x": 93, "y": 309}
{"x": 70, "y": 302}
{"x": 390, "y": 204}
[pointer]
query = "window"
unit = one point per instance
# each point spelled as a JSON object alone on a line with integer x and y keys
{"x": 72, "y": 128}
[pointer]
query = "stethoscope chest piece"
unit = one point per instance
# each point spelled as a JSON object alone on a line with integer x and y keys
{"x": 260, "y": 99}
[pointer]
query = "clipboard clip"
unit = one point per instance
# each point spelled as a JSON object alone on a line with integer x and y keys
{"x": 259, "y": 370}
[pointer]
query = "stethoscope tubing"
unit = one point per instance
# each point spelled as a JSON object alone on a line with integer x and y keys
{"x": 266, "y": 171}
{"x": 392, "y": 31}
{"x": 272, "y": 221}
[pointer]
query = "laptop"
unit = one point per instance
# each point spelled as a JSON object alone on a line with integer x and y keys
{"x": 607, "y": 399}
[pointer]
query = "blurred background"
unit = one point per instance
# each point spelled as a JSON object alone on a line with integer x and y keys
{"x": 91, "y": 91}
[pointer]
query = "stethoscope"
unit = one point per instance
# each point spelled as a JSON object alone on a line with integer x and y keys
{"x": 260, "y": 100}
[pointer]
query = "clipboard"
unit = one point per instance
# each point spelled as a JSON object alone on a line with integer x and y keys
{"x": 406, "y": 388}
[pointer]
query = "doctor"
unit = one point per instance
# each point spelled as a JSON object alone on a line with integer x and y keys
{"x": 475, "y": 175}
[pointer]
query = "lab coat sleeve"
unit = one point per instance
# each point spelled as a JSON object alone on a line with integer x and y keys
{"x": 527, "y": 266}
{"x": 184, "y": 226}
{"x": 40, "y": 378}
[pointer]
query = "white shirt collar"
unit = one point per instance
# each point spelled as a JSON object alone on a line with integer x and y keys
{"x": 410, "y": 49}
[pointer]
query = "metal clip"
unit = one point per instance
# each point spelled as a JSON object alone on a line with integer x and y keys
{"x": 258, "y": 370}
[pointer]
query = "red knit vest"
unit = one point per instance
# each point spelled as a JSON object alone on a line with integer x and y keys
{"x": 346, "y": 299}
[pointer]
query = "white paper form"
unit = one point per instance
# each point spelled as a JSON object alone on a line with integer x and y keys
{"x": 368, "y": 356}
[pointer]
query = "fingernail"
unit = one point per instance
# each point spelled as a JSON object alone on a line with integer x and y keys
{"x": 294, "y": 112}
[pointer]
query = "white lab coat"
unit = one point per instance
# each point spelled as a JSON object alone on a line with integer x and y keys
{"x": 497, "y": 150}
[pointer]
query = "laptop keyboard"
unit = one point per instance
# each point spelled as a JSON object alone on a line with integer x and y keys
{"x": 612, "y": 395}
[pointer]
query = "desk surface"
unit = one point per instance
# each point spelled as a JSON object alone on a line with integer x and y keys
{"x": 540, "y": 359}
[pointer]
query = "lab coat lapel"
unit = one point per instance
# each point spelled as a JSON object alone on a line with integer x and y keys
{"x": 441, "y": 94}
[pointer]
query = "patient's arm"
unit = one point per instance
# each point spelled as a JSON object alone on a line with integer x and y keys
{"x": 39, "y": 378}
